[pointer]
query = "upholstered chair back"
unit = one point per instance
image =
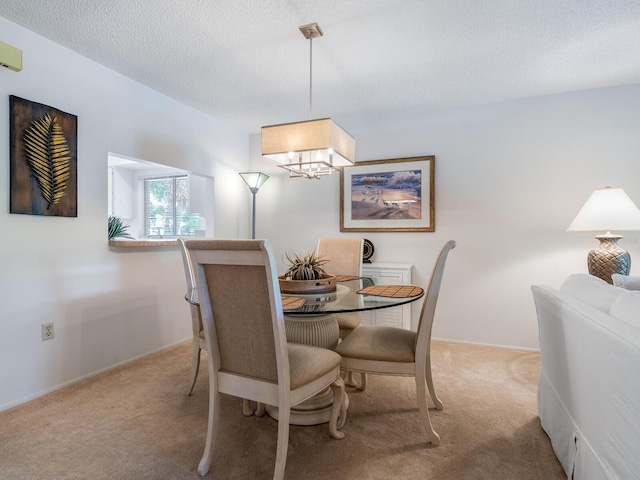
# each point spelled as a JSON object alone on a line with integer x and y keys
{"x": 242, "y": 328}
{"x": 344, "y": 255}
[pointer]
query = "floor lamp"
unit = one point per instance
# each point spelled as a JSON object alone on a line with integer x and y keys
{"x": 254, "y": 180}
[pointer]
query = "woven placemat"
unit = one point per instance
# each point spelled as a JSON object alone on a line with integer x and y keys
{"x": 346, "y": 278}
{"x": 292, "y": 303}
{"x": 396, "y": 291}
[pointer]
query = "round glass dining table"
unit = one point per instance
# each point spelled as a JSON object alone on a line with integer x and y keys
{"x": 351, "y": 295}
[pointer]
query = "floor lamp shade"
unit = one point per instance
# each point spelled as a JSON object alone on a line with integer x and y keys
{"x": 254, "y": 180}
{"x": 606, "y": 210}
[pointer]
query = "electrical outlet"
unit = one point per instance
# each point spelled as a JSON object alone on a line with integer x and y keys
{"x": 47, "y": 331}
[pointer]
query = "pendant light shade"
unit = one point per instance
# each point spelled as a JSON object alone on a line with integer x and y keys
{"x": 310, "y": 148}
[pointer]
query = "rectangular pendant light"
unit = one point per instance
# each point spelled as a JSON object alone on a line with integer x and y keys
{"x": 309, "y": 148}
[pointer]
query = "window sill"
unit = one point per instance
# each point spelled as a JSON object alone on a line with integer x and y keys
{"x": 169, "y": 242}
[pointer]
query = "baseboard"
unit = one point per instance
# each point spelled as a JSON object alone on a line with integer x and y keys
{"x": 47, "y": 391}
{"x": 492, "y": 345}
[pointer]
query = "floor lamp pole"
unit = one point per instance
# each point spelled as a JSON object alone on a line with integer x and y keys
{"x": 253, "y": 214}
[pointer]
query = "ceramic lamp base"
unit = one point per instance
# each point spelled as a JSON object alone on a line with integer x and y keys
{"x": 608, "y": 258}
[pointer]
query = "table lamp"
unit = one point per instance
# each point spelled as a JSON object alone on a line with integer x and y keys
{"x": 607, "y": 209}
{"x": 254, "y": 180}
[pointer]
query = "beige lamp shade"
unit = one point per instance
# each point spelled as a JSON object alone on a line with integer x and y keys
{"x": 607, "y": 209}
{"x": 309, "y": 148}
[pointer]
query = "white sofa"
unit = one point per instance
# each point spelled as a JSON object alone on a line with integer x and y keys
{"x": 589, "y": 388}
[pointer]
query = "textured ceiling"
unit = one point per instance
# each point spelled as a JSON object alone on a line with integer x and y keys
{"x": 246, "y": 63}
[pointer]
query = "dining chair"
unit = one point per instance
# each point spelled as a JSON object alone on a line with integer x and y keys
{"x": 198, "y": 332}
{"x": 248, "y": 354}
{"x": 396, "y": 351}
{"x": 196, "y": 319}
{"x": 344, "y": 257}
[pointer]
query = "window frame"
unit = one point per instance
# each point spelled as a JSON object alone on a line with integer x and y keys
{"x": 175, "y": 217}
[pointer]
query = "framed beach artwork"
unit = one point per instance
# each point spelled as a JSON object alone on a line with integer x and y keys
{"x": 394, "y": 195}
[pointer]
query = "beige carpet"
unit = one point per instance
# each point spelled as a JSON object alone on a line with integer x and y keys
{"x": 136, "y": 423}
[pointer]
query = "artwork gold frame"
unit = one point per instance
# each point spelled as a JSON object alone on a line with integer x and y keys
{"x": 395, "y": 195}
{"x": 42, "y": 159}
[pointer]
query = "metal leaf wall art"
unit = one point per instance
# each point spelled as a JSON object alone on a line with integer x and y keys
{"x": 49, "y": 157}
{"x": 43, "y": 159}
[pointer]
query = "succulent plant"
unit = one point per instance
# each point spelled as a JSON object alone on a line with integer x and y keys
{"x": 305, "y": 267}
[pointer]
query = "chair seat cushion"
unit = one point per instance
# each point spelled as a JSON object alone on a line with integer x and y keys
{"x": 388, "y": 344}
{"x": 308, "y": 363}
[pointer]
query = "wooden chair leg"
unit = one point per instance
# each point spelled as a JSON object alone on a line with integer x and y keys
{"x": 363, "y": 382}
{"x": 195, "y": 366}
{"x": 284, "y": 414}
{"x": 260, "y": 411}
{"x": 212, "y": 428}
{"x": 247, "y": 410}
{"x": 339, "y": 409}
{"x": 432, "y": 391}
{"x": 421, "y": 391}
{"x": 349, "y": 380}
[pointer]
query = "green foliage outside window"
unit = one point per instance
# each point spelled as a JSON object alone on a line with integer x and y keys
{"x": 167, "y": 207}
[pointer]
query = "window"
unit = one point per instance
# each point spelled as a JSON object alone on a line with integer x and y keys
{"x": 166, "y": 207}
{"x": 158, "y": 200}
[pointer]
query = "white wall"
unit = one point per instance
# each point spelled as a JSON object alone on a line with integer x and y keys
{"x": 509, "y": 179}
{"x": 109, "y": 305}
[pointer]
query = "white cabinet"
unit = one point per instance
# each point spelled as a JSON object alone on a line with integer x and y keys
{"x": 388, "y": 274}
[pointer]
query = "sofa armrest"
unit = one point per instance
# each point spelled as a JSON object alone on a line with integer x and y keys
{"x": 590, "y": 363}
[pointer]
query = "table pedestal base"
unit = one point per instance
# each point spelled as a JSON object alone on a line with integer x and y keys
{"x": 320, "y": 331}
{"x": 314, "y": 411}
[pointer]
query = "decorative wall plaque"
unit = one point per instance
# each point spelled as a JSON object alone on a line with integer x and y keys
{"x": 367, "y": 251}
{"x": 43, "y": 159}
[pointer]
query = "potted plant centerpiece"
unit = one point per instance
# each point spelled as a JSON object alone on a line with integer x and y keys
{"x": 306, "y": 274}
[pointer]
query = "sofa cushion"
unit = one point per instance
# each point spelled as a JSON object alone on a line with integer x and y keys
{"x": 591, "y": 290}
{"x": 626, "y": 281}
{"x": 627, "y": 308}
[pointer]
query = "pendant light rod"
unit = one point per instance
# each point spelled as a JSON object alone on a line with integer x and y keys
{"x": 310, "y": 32}
{"x": 310, "y": 77}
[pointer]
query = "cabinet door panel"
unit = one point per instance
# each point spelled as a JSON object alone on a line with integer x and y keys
{"x": 367, "y": 318}
{"x": 388, "y": 274}
{"x": 389, "y": 317}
